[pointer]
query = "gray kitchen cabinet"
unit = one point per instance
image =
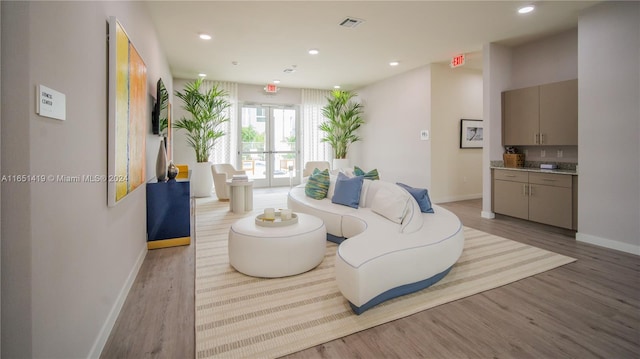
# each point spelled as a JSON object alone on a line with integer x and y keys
{"x": 541, "y": 115}
{"x": 540, "y": 197}
{"x": 510, "y": 194}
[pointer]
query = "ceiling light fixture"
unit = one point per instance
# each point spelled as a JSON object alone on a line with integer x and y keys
{"x": 202, "y": 75}
{"x": 314, "y": 52}
{"x": 526, "y": 9}
{"x": 276, "y": 81}
{"x": 394, "y": 63}
{"x": 205, "y": 36}
{"x": 336, "y": 87}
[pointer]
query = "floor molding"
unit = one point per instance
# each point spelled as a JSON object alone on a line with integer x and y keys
{"x": 608, "y": 243}
{"x": 105, "y": 331}
{"x": 457, "y": 198}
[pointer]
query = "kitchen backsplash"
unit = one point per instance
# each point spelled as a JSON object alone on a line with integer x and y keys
{"x": 550, "y": 154}
{"x": 536, "y": 164}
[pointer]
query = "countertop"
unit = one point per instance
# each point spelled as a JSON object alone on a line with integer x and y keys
{"x": 534, "y": 169}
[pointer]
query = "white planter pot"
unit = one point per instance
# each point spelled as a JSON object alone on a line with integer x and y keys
{"x": 202, "y": 179}
{"x": 340, "y": 163}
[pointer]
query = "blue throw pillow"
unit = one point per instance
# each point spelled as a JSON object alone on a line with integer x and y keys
{"x": 347, "y": 190}
{"x": 371, "y": 175}
{"x": 421, "y": 195}
{"x": 317, "y": 185}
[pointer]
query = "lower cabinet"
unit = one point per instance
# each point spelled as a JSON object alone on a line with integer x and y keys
{"x": 540, "y": 197}
{"x": 168, "y": 214}
{"x": 510, "y": 193}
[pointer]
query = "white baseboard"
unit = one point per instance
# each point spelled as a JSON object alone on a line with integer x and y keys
{"x": 457, "y": 198}
{"x": 487, "y": 215}
{"x": 608, "y": 243}
{"x": 105, "y": 331}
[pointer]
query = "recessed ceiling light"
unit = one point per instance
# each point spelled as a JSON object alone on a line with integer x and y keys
{"x": 394, "y": 63}
{"x": 205, "y": 36}
{"x": 276, "y": 81}
{"x": 314, "y": 52}
{"x": 202, "y": 75}
{"x": 526, "y": 9}
{"x": 336, "y": 87}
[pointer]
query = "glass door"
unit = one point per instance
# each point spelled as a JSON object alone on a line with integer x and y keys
{"x": 268, "y": 144}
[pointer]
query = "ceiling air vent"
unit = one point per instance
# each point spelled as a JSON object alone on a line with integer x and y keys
{"x": 351, "y": 22}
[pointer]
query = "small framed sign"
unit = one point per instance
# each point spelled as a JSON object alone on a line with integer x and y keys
{"x": 471, "y": 133}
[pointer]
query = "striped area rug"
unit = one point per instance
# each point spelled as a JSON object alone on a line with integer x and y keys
{"x": 238, "y": 316}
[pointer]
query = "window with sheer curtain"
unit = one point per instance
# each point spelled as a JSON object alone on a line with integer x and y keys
{"x": 311, "y": 117}
{"x": 225, "y": 147}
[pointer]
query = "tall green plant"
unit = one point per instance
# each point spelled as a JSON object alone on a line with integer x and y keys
{"x": 208, "y": 111}
{"x": 343, "y": 119}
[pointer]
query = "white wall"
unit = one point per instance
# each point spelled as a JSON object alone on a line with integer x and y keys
{"x": 496, "y": 69}
{"x": 456, "y": 174}
{"x": 609, "y": 129}
{"x": 16, "y": 223}
{"x": 0, "y": 191}
{"x": 396, "y": 109}
{"x": 68, "y": 259}
{"x": 182, "y": 153}
{"x": 551, "y": 59}
{"x": 256, "y": 94}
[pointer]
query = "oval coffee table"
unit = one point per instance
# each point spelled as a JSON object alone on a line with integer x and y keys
{"x": 273, "y": 252}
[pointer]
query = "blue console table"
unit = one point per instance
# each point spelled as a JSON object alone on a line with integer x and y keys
{"x": 168, "y": 213}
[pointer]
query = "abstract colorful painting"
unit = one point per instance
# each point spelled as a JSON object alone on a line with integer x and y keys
{"x": 127, "y": 115}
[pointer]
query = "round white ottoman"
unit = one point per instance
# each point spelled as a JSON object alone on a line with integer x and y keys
{"x": 277, "y": 251}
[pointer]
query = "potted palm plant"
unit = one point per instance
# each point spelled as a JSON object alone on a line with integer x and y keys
{"x": 208, "y": 111}
{"x": 343, "y": 119}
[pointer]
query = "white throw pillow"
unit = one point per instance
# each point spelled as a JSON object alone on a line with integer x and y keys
{"x": 363, "y": 194}
{"x": 332, "y": 185}
{"x": 391, "y": 203}
{"x": 413, "y": 221}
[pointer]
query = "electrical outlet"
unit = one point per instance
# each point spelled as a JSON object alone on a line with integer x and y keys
{"x": 560, "y": 154}
{"x": 526, "y": 152}
{"x": 543, "y": 153}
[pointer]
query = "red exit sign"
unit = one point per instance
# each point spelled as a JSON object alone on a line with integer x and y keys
{"x": 271, "y": 88}
{"x": 457, "y": 61}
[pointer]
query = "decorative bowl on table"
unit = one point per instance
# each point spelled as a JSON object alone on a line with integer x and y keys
{"x": 278, "y": 221}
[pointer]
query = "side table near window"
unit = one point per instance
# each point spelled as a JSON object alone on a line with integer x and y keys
{"x": 240, "y": 196}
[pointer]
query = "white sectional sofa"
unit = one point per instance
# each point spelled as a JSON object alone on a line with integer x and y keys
{"x": 388, "y": 252}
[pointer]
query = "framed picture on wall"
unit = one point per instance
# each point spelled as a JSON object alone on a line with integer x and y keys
{"x": 471, "y": 133}
{"x": 127, "y": 115}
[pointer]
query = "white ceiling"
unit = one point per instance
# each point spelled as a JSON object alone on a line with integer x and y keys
{"x": 265, "y": 37}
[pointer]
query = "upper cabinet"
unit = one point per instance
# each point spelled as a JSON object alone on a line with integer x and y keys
{"x": 541, "y": 115}
{"x": 559, "y": 113}
{"x": 520, "y": 116}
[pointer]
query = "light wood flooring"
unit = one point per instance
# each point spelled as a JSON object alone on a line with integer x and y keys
{"x": 586, "y": 309}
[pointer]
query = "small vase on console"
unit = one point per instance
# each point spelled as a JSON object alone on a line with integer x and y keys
{"x": 161, "y": 163}
{"x": 172, "y": 171}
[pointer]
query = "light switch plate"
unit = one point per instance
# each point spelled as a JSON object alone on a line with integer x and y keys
{"x": 424, "y": 135}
